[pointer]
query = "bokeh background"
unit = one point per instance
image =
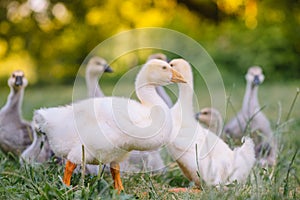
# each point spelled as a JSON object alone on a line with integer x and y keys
{"x": 49, "y": 39}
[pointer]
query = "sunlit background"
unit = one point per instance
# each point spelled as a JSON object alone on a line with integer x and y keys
{"x": 49, "y": 39}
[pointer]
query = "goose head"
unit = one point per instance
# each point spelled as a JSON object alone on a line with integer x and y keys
{"x": 17, "y": 80}
{"x": 159, "y": 56}
{"x": 206, "y": 116}
{"x": 184, "y": 68}
{"x": 159, "y": 72}
{"x": 255, "y": 76}
{"x": 96, "y": 66}
{"x": 211, "y": 117}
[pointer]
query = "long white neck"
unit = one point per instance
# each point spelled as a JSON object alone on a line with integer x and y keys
{"x": 184, "y": 123}
{"x": 155, "y": 134}
{"x": 147, "y": 93}
{"x": 93, "y": 86}
{"x": 14, "y": 101}
{"x": 250, "y": 102}
{"x": 184, "y": 104}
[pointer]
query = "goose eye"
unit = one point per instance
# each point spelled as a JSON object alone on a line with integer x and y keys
{"x": 204, "y": 113}
{"x": 171, "y": 65}
{"x": 164, "y": 67}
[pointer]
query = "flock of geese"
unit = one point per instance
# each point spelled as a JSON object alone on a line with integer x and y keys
{"x": 126, "y": 133}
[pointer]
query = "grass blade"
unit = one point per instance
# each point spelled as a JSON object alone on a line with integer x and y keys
{"x": 292, "y": 105}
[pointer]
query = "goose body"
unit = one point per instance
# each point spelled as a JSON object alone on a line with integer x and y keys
{"x": 84, "y": 128}
{"x": 15, "y": 133}
{"x": 137, "y": 161}
{"x": 218, "y": 164}
{"x": 252, "y": 118}
{"x": 110, "y": 127}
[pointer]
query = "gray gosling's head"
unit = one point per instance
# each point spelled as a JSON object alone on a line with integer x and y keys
{"x": 96, "y": 66}
{"x": 255, "y": 76}
{"x": 17, "y": 80}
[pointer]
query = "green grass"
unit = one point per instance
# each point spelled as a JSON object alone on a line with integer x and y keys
{"x": 43, "y": 181}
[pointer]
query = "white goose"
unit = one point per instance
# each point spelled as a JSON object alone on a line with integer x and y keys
{"x": 110, "y": 127}
{"x": 15, "y": 133}
{"x": 265, "y": 143}
{"x": 137, "y": 160}
{"x": 218, "y": 164}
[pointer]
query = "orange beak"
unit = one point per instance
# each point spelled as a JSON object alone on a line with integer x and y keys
{"x": 177, "y": 77}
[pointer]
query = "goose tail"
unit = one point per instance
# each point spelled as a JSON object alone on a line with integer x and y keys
{"x": 244, "y": 159}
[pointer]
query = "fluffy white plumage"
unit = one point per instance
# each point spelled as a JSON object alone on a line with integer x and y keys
{"x": 218, "y": 164}
{"x": 110, "y": 127}
{"x": 137, "y": 160}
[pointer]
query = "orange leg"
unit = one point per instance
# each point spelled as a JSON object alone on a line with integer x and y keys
{"x": 68, "y": 172}
{"x": 115, "y": 172}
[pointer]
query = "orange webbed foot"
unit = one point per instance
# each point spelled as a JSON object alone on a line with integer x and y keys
{"x": 115, "y": 172}
{"x": 68, "y": 172}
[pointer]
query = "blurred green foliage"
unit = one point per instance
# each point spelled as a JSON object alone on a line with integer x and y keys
{"x": 49, "y": 39}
